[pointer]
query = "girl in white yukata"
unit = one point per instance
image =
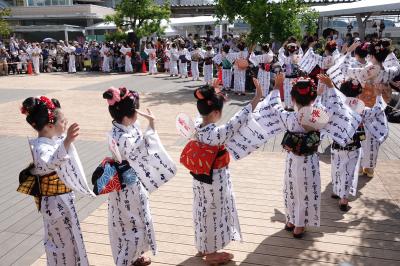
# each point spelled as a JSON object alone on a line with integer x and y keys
{"x": 127, "y": 52}
{"x": 240, "y": 60}
{"x": 173, "y": 60}
{"x": 34, "y": 52}
{"x": 263, "y": 62}
{"x": 345, "y": 161}
{"x": 314, "y": 64}
{"x": 106, "y": 53}
{"x": 196, "y": 55}
{"x": 130, "y": 223}
{"x": 70, "y": 50}
{"x": 302, "y": 183}
{"x": 208, "y": 64}
{"x": 221, "y": 59}
{"x": 374, "y": 73}
{"x": 289, "y": 56}
{"x": 215, "y": 216}
{"x": 57, "y": 163}
{"x": 152, "y": 53}
{"x": 184, "y": 58}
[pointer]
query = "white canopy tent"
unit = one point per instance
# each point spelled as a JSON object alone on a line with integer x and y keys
{"x": 360, "y": 7}
{"x": 362, "y": 10}
{"x": 170, "y": 25}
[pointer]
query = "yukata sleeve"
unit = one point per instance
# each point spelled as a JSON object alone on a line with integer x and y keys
{"x": 72, "y": 174}
{"x": 343, "y": 122}
{"x": 281, "y": 56}
{"x": 347, "y": 70}
{"x": 375, "y": 120}
{"x": 217, "y": 59}
{"x": 255, "y": 59}
{"x": 269, "y": 57}
{"x": 159, "y": 166}
{"x": 222, "y": 134}
{"x": 47, "y": 158}
{"x": 256, "y": 131}
{"x": 231, "y": 57}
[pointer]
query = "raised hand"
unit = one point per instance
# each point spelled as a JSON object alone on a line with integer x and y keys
{"x": 279, "y": 79}
{"x": 149, "y": 116}
{"x": 72, "y": 134}
{"x": 258, "y": 95}
{"x": 326, "y": 80}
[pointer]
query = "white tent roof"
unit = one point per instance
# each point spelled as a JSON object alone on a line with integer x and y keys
{"x": 363, "y": 6}
{"x": 184, "y": 21}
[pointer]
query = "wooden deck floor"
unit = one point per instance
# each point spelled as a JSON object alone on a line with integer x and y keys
{"x": 367, "y": 235}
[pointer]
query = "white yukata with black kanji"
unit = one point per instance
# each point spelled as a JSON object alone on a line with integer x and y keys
{"x": 302, "y": 182}
{"x": 130, "y": 223}
{"x": 63, "y": 241}
{"x": 370, "y": 146}
{"x": 239, "y": 82}
{"x": 287, "y": 62}
{"x": 221, "y": 59}
{"x": 263, "y": 75}
{"x": 345, "y": 163}
{"x": 208, "y": 69}
{"x": 127, "y": 52}
{"x": 215, "y": 216}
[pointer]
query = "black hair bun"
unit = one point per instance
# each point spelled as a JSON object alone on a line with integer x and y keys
{"x": 265, "y": 47}
{"x": 56, "y": 103}
{"x": 351, "y": 88}
{"x": 29, "y": 104}
{"x": 379, "y": 50}
{"x": 108, "y": 95}
{"x": 205, "y": 92}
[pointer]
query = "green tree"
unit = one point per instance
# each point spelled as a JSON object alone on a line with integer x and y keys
{"x": 4, "y": 26}
{"x": 269, "y": 19}
{"x": 143, "y": 17}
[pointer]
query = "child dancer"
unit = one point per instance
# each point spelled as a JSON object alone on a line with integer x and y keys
{"x": 302, "y": 184}
{"x": 174, "y": 57}
{"x": 196, "y": 55}
{"x": 57, "y": 163}
{"x": 215, "y": 215}
{"x": 129, "y": 220}
{"x": 151, "y": 52}
{"x": 263, "y": 62}
{"x": 184, "y": 58}
{"x": 345, "y": 159}
{"x": 127, "y": 52}
{"x": 221, "y": 59}
{"x": 208, "y": 64}
{"x": 377, "y": 55}
{"x": 289, "y": 56}
{"x": 239, "y": 68}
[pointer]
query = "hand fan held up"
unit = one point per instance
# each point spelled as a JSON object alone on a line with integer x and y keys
{"x": 185, "y": 125}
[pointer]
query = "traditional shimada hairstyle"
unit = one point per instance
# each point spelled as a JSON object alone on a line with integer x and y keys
{"x": 241, "y": 46}
{"x": 330, "y": 46}
{"x": 226, "y": 48}
{"x": 379, "y": 50}
{"x": 362, "y": 49}
{"x": 121, "y": 102}
{"x": 351, "y": 88}
{"x": 208, "y": 100}
{"x": 265, "y": 47}
{"x": 304, "y": 91}
{"x": 40, "y": 111}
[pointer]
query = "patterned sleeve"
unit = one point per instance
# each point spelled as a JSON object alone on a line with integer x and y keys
{"x": 271, "y": 116}
{"x": 47, "y": 158}
{"x": 281, "y": 56}
{"x": 255, "y": 59}
{"x": 347, "y": 70}
{"x": 375, "y": 120}
{"x": 343, "y": 122}
{"x": 218, "y": 59}
{"x": 220, "y": 135}
{"x": 231, "y": 57}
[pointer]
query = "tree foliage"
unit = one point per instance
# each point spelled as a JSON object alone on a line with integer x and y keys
{"x": 269, "y": 19}
{"x": 4, "y": 26}
{"x": 143, "y": 17}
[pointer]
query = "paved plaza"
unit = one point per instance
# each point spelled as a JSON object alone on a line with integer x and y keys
{"x": 369, "y": 234}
